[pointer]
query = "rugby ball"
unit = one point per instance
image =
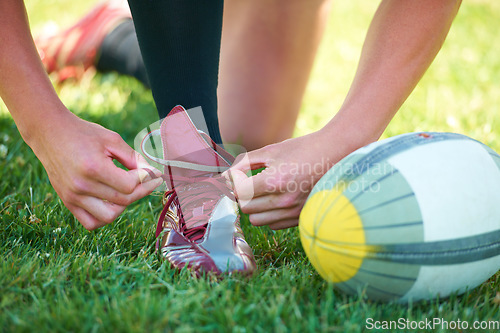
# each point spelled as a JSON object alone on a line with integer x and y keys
{"x": 415, "y": 216}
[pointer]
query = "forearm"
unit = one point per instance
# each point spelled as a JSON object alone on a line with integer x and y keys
{"x": 402, "y": 41}
{"x": 24, "y": 85}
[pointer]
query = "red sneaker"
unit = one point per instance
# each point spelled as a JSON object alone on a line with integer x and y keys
{"x": 199, "y": 226}
{"x": 71, "y": 52}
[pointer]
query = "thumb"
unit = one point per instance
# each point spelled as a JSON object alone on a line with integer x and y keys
{"x": 250, "y": 161}
{"x": 246, "y": 187}
{"x": 242, "y": 186}
{"x": 132, "y": 160}
{"x": 237, "y": 176}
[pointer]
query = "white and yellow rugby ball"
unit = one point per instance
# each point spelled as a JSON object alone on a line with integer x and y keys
{"x": 410, "y": 217}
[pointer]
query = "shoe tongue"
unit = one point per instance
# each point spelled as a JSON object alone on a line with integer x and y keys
{"x": 182, "y": 142}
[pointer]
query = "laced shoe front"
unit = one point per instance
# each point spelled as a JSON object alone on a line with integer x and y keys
{"x": 199, "y": 227}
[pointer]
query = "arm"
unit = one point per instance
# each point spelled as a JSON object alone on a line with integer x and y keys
{"x": 403, "y": 39}
{"x": 77, "y": 155}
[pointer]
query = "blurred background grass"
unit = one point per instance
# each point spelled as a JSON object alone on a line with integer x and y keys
{"x": 459, "y": 93}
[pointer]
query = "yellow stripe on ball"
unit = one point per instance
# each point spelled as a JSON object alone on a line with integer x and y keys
{"x": 332, "y": 235}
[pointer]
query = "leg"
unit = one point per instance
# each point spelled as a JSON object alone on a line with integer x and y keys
{"x": 180, "y": 45}
{"x": 268, "y": 49}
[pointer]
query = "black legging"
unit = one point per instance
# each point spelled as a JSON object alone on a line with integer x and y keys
{"x": 180, "y": 45}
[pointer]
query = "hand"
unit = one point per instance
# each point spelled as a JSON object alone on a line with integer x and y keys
{"x": 78, "y": 157}
{"x": 275, "y": 196}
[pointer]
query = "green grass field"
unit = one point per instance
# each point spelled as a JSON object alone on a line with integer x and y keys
{"x": 56, "y": 276}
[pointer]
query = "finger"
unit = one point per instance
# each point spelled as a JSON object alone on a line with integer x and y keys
{"x": 88, "y": 221}
{"x": 145, "y": 189}
{"x": 274, "y": 216}
{"x": 118, "y": 179}
{"x": 284, "y": 224}
{"x": 122, "y": 152}
{"x": 242, "y": 186}
{"x": 269, "y": 202}
{"x": 101, "y": 210}
{"x": 95, "y": 213}
{"x": 129, "y": 158}
{"x": 105, "y": 192}
{"x": 249, "y": 161}
{"x": 248, "y": 188}
{"x": 143, "y": 164}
